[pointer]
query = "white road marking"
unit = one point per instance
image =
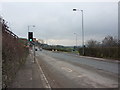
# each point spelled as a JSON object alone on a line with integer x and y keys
{"x": 43, "y": 75}
{"x": 67, "y": 69}
{"x": 80, "y": 75}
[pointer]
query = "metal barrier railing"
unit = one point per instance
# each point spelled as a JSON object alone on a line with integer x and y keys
{"x": 6, "y": 29}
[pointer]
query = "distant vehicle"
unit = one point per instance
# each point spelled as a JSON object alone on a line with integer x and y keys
{"x": 40, "y": 49}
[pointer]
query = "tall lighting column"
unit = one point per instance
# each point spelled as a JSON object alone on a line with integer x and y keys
{"x": 32, "y": 40}
{"x": 76, "y": 39}
{"x": 29, "y": 27}
{"x": 83, "y": 52}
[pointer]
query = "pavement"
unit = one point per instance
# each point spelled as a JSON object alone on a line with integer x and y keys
{"x": 29, "y": 76}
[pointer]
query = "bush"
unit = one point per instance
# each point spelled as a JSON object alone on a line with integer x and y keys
{"x": 109, "y": 48}
{"x": 103, "y": 52}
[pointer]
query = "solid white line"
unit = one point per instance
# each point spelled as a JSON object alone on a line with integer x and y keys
{"x": 47, "y": 83}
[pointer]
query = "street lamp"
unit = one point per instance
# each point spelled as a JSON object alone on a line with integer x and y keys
{"x": 29, "y": 28}
{"x": 76, "y": 39}
{"x": 32, "y": 37}
{"x": 82, "y": 29}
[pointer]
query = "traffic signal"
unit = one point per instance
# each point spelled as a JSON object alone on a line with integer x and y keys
{"x": 30, "y": 36}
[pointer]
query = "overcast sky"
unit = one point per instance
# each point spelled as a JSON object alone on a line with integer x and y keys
{"x": 56, "y": 23}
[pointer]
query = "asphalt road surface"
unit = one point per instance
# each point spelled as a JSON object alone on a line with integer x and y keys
{"x": 63, "y": 70}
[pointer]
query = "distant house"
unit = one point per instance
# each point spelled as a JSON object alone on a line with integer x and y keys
{"x": 41, "y": 41}
{"x": 34, "y": 39}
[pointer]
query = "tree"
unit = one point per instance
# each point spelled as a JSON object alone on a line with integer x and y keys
{"x": 92, "y": 43}
{"x": 109, "y": 41}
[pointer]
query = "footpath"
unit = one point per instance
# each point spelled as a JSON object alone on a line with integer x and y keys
{"x": 29, "y": 76}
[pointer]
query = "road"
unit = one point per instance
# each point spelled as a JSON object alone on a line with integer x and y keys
{"x": 64, "y": 70}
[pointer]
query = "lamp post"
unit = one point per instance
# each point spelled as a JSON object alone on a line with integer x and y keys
{"x": 29, "y": 42}
{"x": 29, "y": 27}
{"x": 82, "y": 29}
{"x": 76, "y": 39}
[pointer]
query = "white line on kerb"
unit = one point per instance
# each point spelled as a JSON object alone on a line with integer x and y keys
{"x": 47, "y": 83}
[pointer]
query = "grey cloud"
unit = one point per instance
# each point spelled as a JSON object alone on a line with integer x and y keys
{"x": 58, "y": 21}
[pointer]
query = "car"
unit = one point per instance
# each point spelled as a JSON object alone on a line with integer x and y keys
{"x": 40, "y": 49}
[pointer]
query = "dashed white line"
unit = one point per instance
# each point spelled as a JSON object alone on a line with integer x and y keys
{"x": 67, "y": 69}
{"x": 80, "y": 75}
{"x": 43, "y": 75}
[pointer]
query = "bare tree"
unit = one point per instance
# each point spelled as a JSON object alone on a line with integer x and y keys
{"x": 92, "y": 43}
{"x": 109, "y": 41}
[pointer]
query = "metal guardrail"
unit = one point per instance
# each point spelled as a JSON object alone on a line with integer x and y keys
{"x": 5, "y": 28}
